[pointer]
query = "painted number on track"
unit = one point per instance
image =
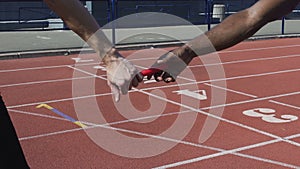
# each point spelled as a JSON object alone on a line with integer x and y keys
{"x": 269, "y": 115}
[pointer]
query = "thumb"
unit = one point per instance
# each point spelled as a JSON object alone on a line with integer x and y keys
{"x": 115, "y": 91}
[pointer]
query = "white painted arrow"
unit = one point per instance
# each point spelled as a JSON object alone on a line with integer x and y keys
{"x": 195, "y": 94}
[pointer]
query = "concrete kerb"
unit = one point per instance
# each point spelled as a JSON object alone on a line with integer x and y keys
{"x": 137, "y": 46}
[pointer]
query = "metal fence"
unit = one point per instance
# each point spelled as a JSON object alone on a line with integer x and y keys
{"x": 28, "y": 15}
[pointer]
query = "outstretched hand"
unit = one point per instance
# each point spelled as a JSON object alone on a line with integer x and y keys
{"x": 121, "y": 74}
{"x": 170, "y": 65}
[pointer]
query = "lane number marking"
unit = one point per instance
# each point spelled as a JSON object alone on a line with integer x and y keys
{"x": 269, "y": 115}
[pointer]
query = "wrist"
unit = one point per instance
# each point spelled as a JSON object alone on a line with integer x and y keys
{"x": 100, "y": 44}
{"x": 187, "y": 51}
{"x": 110, "y": 56}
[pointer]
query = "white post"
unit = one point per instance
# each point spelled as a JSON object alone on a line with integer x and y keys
{"x": 219, "y": 11}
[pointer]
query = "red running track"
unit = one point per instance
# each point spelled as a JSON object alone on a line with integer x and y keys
{"x": 238, "y": 108}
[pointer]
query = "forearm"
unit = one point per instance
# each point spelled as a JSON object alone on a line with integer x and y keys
{"x": 231, "y": 31}
{"x": 240, "y": 26}
{"x": 79, "y": 20}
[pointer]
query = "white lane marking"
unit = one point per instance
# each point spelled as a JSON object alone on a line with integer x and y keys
{"x": 222, "y": 151}
{"x": 247, "y": 60}
{"x": 228, "y": 51}
{"x": 214, "y": 80}
{"x": 58, "y": 100}
{"x": 221, "y": 119}
{"x": 61, "y": 66}
{"x": 189, "y": 161}
{"x": 32, "y": 68}
{"x": 150, "y": 81}
{"x": 259, "y": 49}
{"x": 230, "y": 90}
{"x": 285, "y": 104}
{"x": 36, "y": 114}
{"x": 191, "y": 83}
{"x": 200, "y": 111}
{"x": 44, "y": 81}
{"x": 223, "y": 79}
{"x": 208, "y": 114}
{"x": 252, "y": 100}
{"x": 106, "y": 124}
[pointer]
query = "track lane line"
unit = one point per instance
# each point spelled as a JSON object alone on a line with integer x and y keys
{"x": 193, "y": 160}
{"x": 201, "y": 111}
{"x": 214, "y": 80}
{"x": 174, "y": 85}
{"x": 259, "y": 49}
{"x": 253, "y": 100}
{"x": 207, "y": 114}
{"x": 225, "y": 79}
{"x": 247, "y": 60}
{"x": 284, "y": 104}
{"x": 36, "y": 114}
{"x": 228, "y": 51}
{"x": 107, "y": 125}
{"x": 221, "y": 151}
{"x": 44, "y": 81}
{"x": 62, "y": 66}
{"x": 112, "y": 123}
{"x": 231, "y": 90}
{"x": 58, "y": 100}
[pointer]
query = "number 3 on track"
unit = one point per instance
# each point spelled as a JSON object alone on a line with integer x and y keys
{"x": 268, "y": 115}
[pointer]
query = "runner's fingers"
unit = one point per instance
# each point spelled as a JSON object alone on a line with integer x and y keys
{"x": 158, "y": 76}
{"x": 115, "y": 91}
{"x": 167, "y": 78}
{"x": 139, "y": 77}
{"x": 134, "y": 83}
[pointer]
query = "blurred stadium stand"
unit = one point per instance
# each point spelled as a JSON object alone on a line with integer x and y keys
{"x": 33, "y": 14}
{"x": 19, "y": 17}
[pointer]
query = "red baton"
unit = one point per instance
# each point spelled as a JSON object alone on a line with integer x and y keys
{"x": 151, "y": 71}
